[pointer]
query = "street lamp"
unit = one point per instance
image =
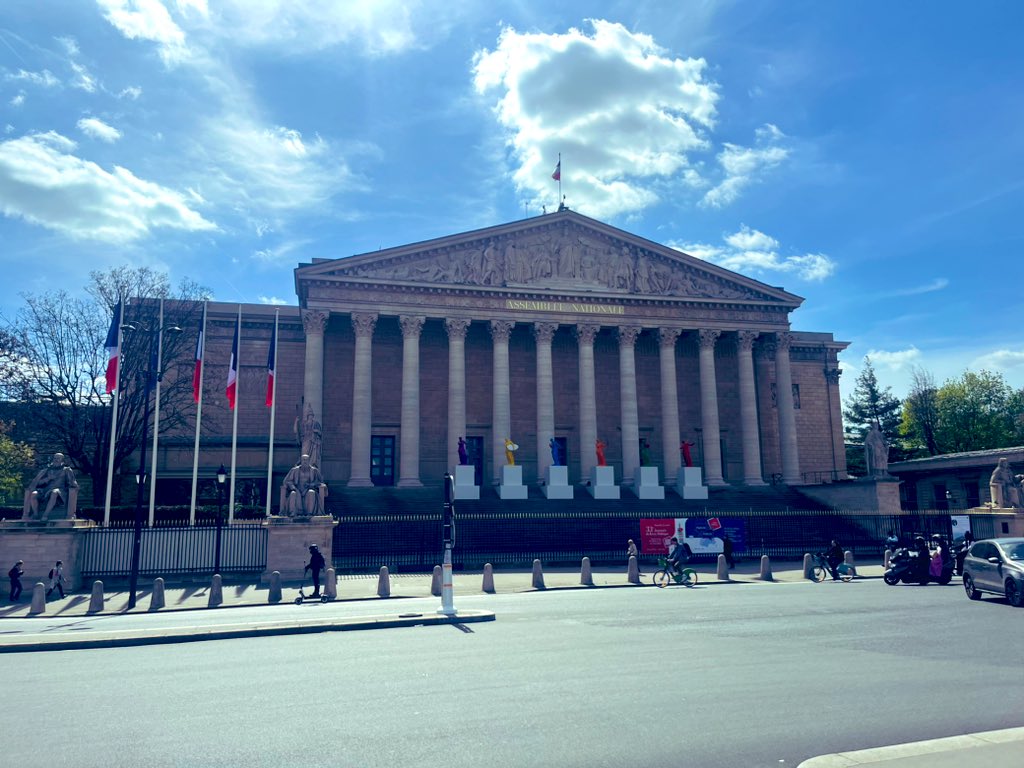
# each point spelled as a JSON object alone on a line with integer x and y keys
{"x": 152, "y": 374}
{"x": 222, "y": 475}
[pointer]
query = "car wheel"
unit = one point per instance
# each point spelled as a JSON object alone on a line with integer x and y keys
{"x": 970, "y": 589}
{"x": 1014, "y": 594}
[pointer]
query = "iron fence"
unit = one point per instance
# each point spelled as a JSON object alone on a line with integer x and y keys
{"x": 174, "y": 551}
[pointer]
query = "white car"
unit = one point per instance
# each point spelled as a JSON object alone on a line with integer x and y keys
{"x": 996, "y": 566}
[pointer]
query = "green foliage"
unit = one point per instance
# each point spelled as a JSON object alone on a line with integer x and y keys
{"x": 870, "y": 403}
{"x": 15, "y": 461}
{"x": 976, "y": 412}
{"x": 920, "y": 417}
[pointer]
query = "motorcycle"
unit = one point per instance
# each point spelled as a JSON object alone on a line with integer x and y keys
{"x": 911, "y": 567}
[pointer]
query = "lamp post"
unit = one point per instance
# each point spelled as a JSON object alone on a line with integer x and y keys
{"x": 222, "y": 475}
{"x": 152, "y": 374}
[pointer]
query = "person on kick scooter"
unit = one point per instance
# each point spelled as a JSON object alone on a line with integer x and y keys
{"x": 316, "y": 564}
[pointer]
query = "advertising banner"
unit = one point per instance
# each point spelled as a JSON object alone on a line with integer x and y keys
{"x": 655, "y": 535}
{"x": 703, "y": 535}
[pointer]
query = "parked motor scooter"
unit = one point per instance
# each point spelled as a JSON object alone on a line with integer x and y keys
{"x": 908, "y": 566}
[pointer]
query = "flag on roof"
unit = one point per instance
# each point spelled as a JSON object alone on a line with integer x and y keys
{"x": 557, "y": 175}
{"x": 113, "y": 347}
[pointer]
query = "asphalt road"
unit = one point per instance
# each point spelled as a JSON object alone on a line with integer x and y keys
{"x": 724, "y": 675}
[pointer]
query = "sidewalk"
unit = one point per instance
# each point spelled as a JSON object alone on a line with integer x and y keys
{"x": 975, "y": 750}
{"x": 364, "y": 587}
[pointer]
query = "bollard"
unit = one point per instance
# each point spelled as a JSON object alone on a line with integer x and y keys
{"x": 488, "y": 585}
{"x": 848, "y": 559}
{"x": 331, "y": 584}
{"x": 586, "y": 577}
{"x": 384, "y": 583}
{"x": 216, "y": 592}
{"x": 96, "y": 599}
{"x": 766, "y": 569}
{"x": 723, "y": 569}
{"x": 156, "y": 599}
{"x": 38, "y": 599}
{"x": 808, "y": 565}
{"x": 886, "y": 557}
{"x": 435, "y": 582}
{"x": 633, "y": 571}
{"x": 274, "y": 594}
{"x": 538, "y": 575}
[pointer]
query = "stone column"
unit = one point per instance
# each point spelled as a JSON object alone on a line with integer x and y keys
{"x": 629, "y": 420}
{"x": 748, "y": 408}
{"x": 456, "y": 327}
{"x": 314, "y": 321}
{"x": 409, "y": 455}
{"x": 585, "y": 335}
{"x": 835, "y": 419}
{"x": 501, "y": 416}
{"x": 362, "y": 399}
{"x": 711, "y": 436}
{"x": 543, "y": 333}
{"x": 669, "y": 401}
{"x": 787, "y": 418}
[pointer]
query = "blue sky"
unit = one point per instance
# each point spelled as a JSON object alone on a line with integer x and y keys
{"x": 867, "y": 156}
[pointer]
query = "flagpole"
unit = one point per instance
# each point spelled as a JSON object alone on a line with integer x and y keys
{"x": 199, "y": 420}
{"x": 273, "y": 411}
{"x": 156, "y": 415}
{"x": 234, "y": 421}
{"x": 113, "y": 416}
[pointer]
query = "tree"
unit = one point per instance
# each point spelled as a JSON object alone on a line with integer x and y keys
{"x": 870, "y": 403}
{"x": 921, "y": 415}
{"x": 976, "y": 413}
{"x": 61, "y": 362}
{"x": 15, "y": 460}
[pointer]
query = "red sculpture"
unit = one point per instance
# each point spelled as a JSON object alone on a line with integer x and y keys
{"x": 599, "y": 446}
{"x": 685, "y": 448}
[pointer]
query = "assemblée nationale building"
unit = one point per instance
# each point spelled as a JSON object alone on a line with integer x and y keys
{"x": 554, "y": 327}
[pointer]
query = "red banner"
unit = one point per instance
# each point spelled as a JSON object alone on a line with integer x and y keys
{"x": 655, "y": 534}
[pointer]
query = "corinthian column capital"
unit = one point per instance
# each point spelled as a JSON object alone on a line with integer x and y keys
{"x": 314, "y": 321}
{"x": 501, "y": 330}
{"x": 412, "y": 325}
{"x": 456, "y": 327}
{"x": 667, "y": 336}
{"x": 586, "y": 333}
{"x": 707, "y": 337}
{"x": 784, "y": 341}
{"x": 363, "y": 323}
{"x": 745, "y": 340}
{"x": 628, "y": 334}
{"x": 544, "y": 332}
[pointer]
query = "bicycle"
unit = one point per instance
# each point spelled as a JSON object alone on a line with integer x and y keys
{"x": 820, "y": 569}
{"x": 666, "y": 575}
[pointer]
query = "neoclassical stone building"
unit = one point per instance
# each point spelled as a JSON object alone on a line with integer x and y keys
{"x": 557, "y": 326}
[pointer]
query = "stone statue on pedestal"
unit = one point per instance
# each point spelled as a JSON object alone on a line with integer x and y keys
{"x": 304, "y": 490}
{"x": 645, "y": 453}
{"x": 510, "y": 452}
{"x": 687, "y": 457}
{"x": 310, "y": 434}
{"x": 876, "y": 452}
{"x": 463, "y": 453}
{"x": 1002, "y": 486}
{"x": 556, "y": 453}
{"x": 54, "y": 485}
{"x": 599, "y": 447}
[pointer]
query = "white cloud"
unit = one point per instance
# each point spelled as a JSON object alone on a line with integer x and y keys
{"x": 743, "y": 166}
{"x": 752, "y": 251}
{"x": 902, "y": 359}
{"x": 44, "y": 79}
{"x": 95, "y": 128}
{"x": 42, "y": 182}
{"x": 1000, "y": 360}
{"x": 147, "y": 20}
{"x": 18, "y": 100}
{"x": 132, "y": 92}
{"x": 930, "y": 287}
{"x": 283, "y": 254}
{"x": 273, "y": 300}
{"x": 624, "y": 113}
{"x": 82, "y": 79}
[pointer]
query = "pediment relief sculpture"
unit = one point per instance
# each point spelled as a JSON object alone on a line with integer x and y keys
{"x": 557, "y": 260}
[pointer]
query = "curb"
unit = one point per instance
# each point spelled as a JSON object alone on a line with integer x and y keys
{"x": 915, "y": 749}
{"x": 129, "y": 638}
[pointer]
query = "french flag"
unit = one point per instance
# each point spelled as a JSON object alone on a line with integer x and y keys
{"x": 113, "y": 347}
{"x": 233, "y": 368}
{"x": 271, "y": 366}
{"x": 197, "y": 374}
{"x": 557, "y": 175}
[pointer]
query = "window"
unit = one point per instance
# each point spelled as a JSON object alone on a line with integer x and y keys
{"x": 382, "y": 459}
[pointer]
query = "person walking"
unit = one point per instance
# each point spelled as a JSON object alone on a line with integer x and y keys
{"x": 15, "y": 575}
{"x": 315, "y": 565}
{"x": 631, "y": 551}
{"x": 56, "y": 580}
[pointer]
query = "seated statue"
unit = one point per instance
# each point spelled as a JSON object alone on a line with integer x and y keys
{"x": 1002, "y": 487}
{"x": 303, "y": 491}
{"x": 54, "y": 485}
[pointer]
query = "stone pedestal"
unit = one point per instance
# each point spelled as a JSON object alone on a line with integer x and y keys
{"x": 512, "y": 483}
{"x": 557, "y": 485}
{"x": 465, "y": 482}
{"x": 602, "y": 483}
{"x": 646, "y": 485}
{"x": 689, "y": 484}
{"x": 41, "y": 544}
{"x": 289, "y": 540}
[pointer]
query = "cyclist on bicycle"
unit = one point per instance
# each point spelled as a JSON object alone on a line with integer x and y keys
{"x": 676, "y": 555}
{"x": 834, "y": 555}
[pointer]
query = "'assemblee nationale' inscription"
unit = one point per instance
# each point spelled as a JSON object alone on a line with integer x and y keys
{"x": 564, "y": 306}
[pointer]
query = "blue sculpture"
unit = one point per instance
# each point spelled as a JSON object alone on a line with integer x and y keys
{"x": 556, "y": 453}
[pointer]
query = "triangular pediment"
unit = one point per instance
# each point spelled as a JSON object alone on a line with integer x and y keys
{"x": 562, "y": 252}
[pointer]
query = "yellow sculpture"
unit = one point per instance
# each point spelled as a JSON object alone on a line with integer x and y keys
{"x": 510, "y": 449}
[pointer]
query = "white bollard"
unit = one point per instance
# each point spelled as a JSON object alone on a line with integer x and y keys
{"x": 447, "y": 587}
{"x": 331, "y": 584}
{"x": 633, "y": 571}
{"x": 96, "y": 601}
{"x": 156, "y": 599}
{"x": 38, "y": 599}
{"x": 488, "y": 584}
{"x": 886, "y": 557}
{"x": 274, "y": 593}
{"x": 435, "y": 582}
{"x": 723, "y": 569}
{"x": 384, "y": 583}
{"x": 216, "y": 592}
{"x": 586, "y": 577}
{"x": 766, "y": 569}
{"x": 848, "y": 557}
{"x": 808, "y": 565}
{"x": 538, "y": 575}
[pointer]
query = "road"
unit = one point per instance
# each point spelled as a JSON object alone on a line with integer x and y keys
{"x": 724, "y": 675}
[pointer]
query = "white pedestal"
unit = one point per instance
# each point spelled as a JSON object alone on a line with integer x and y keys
{"x": 602, "y": 483}
{"x": 557, "y": 485}
{"x": 465, "y": 482}
{"x": 512, "y": 483}
{"x": 646, "y": 485}
{"x": 689, "y": 483}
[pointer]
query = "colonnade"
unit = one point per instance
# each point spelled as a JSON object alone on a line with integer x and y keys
{"x": 363, "y": 325}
